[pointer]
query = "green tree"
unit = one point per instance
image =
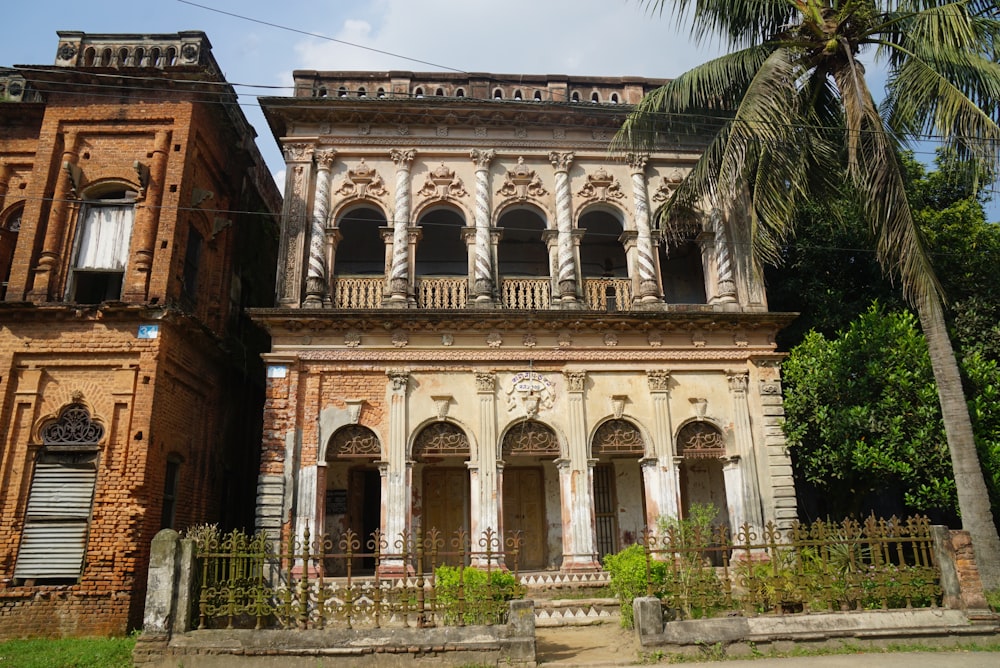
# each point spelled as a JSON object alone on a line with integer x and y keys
{"x": 794, "y": 105}
{"x": 863, "y": 425}
{"x": 861, "y": 416}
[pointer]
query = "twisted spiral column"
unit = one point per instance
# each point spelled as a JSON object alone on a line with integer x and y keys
{"x": 566, "y": 269}
{"x": 399, "y": 272}
{"x": 727, "y": 286}
{"x": 316, "y": 269}
{"x": 648, "y": 287}
{"x": 484, "y": 247}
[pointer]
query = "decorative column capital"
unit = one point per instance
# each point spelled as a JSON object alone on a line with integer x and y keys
{"x": 297, "y": 152}
{"x": 659, "y": 380}
{"x": 485, "y": 381}
{"x": 403, "y": 157}
{"x": 561, "y": 161}
{"x": 482, "y": 158}
{"x": 637, "y": 162}
{"x": 738, "y": 380}
{"x": 399, "y": 378}
{"x": 575, "y": 380}
{"x": 325, "y": 157}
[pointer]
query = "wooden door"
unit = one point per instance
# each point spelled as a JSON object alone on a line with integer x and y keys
{"x": 524, "y": 511}
{"x": 446, "y": 507}
{"x": 364, "y": 514}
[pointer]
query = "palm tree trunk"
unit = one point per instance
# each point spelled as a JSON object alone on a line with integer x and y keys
{"x": 973, "y": 498}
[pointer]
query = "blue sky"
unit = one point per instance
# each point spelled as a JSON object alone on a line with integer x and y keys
{"x": 587, "y": 37}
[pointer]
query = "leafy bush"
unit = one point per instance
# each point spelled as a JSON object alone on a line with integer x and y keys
{"x": 474, "y": 596}
{"x": 628, "y": 578}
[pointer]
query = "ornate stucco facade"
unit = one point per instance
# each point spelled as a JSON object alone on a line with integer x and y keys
{"x": 479, "y": 326}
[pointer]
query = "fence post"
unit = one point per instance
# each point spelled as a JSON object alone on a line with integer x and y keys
{"x": 648, "y": 615}
{"x": 185, "y": 593}
{"x": 161, "y": 584}
{"x": 955, "y": 559}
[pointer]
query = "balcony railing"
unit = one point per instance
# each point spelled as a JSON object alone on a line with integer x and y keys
{"x": 608, "y": 294}
{"x": 525, "y": 293}
{"x": 358, "y": 292}
{"x": 446, "y": 293}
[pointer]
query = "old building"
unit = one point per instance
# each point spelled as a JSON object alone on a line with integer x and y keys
{"x": 137, "y": 220}
{"x": 479, "y": 327}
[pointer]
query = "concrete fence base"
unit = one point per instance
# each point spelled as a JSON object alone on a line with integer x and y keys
{"x": 166, "y": 640}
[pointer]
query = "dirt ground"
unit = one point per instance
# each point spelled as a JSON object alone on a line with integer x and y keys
{"x": 597, "y": 645}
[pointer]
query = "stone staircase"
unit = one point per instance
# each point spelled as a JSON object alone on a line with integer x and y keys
{"x": 563, "y": 599}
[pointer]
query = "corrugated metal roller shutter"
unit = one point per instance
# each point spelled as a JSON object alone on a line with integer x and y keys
{"x": 54, "y": 539}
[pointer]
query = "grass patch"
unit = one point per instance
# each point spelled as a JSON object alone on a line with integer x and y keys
{"x": 993, "y": 599}
{"x": 67, "y": 653}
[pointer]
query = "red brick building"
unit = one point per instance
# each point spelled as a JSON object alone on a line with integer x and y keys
{"x": 137, "y": 221}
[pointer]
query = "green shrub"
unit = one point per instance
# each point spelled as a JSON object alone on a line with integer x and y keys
{"x": 628, "y": 578}
{"x": 484, "y": 594}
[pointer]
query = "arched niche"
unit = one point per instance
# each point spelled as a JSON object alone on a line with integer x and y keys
{"x": 602, "y": 254}
{"x": 360, "y": 250}
{"x": 522, "y": 251}
{"x": 441, "y": 250}
{"x": 702, "y": 448}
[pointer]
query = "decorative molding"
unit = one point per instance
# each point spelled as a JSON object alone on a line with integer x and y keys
{"x": 325, "y": 157}
{"x": 618, "y": 402}
{"x": 700, "y": 406}
{"x": 399, "y": 378}
{"x": 362, "y": 181}
{"x": 610, "y": 339}
{"x": 659, "y": 380}
{"x": 522, "y": 183}
{"x": 296, "y": 152}
{"x": 442, "y": 182}
{"x": 485, "y": 381}
{"x": 352, "y": 339}
{"x": 494, "y": 339}
{"x": 529, "y": 340}
{"x": 530, "y": 438}
{"x": 523, "y": 355}
{"x": 447, "y": 339}
{"x": 532, "y": 391}
{"x": 601, "y": 186}
{"x": 655, "y": 339}
{"x": 403, "y": 157}
{"x": 561, "y": 161}
{"x": 482, "y": 158}
{"x": 441, "y": 403}
{"x": 354, "y": 407}
{"x": 441, "y": 439}
{"x": 575, "y": 380}
{"x": 400, "y": 338}
{"x": 770, "y": 388}
{"x": 737, "y": 380}
{"x": 618, "y": 437}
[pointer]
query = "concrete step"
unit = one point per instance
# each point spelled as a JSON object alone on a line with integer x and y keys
{"x": 576, "y": 611}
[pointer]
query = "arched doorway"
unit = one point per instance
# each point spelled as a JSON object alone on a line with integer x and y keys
{"x": 682, "y": 271}
{"x": 523, "y": 259}
{"x": 702, "y": 447}
{"x": 441, "y": 452}
{"x": 603, "y": 263}
{"x": 617, "y": 446}
{"x": 528, "y": 449}
{"x": 359, "y": 260}
{"x": 353, "y": 495}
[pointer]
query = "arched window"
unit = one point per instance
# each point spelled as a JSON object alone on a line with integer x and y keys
{"x": 441, "y": 439}
{"x": 518, "y": 96}
{"x": 575, "y": 97}
{"x": 614, "y": 98}
{"x": 354, "y": 442}
{"x": 342, "y": 91}
{"x": 497, "y": 94}
{"x": 530, "y": 438}
{"x": 538, "y": 96}
{"x": 418, "y": 92}
{"x": 380, "y": 93}
{"x": 57, "y": 517}
{"x": 362, "y": 92}
{"x": 459, "y": 92}
{"x": 681, "y": 270}
{"x": 10, "y": 226}
{"x": 103, "y": 234}
{"x": 594, "y": 97}
{"x": 700, "y": 440}
{"x": 439, "y": 92}
{"x": 618, "y": 437}
{"x": 442, "y": 251}
{"x": 321, "y": 91}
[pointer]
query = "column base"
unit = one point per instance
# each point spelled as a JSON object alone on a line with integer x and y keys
{"x": 396, "y": 301}
{"x": 580, "y": 563}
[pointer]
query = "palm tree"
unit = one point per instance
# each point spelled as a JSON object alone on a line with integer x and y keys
{"x": 793, "y": 110}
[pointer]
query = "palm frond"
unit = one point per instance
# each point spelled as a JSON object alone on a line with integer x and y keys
{"x": 741, "y": 23}
{"x": 877, "y": 173}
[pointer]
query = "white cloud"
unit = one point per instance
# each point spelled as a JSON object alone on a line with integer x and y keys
{"x": 584, "y": 37}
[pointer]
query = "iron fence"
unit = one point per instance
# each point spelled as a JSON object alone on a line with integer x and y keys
{"x": 310, "y": 583}
{"x": 823, "y": 566}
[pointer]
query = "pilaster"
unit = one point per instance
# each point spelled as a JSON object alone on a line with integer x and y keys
{"x": 147, "y": 218}
{"x": 292, "y": 245}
